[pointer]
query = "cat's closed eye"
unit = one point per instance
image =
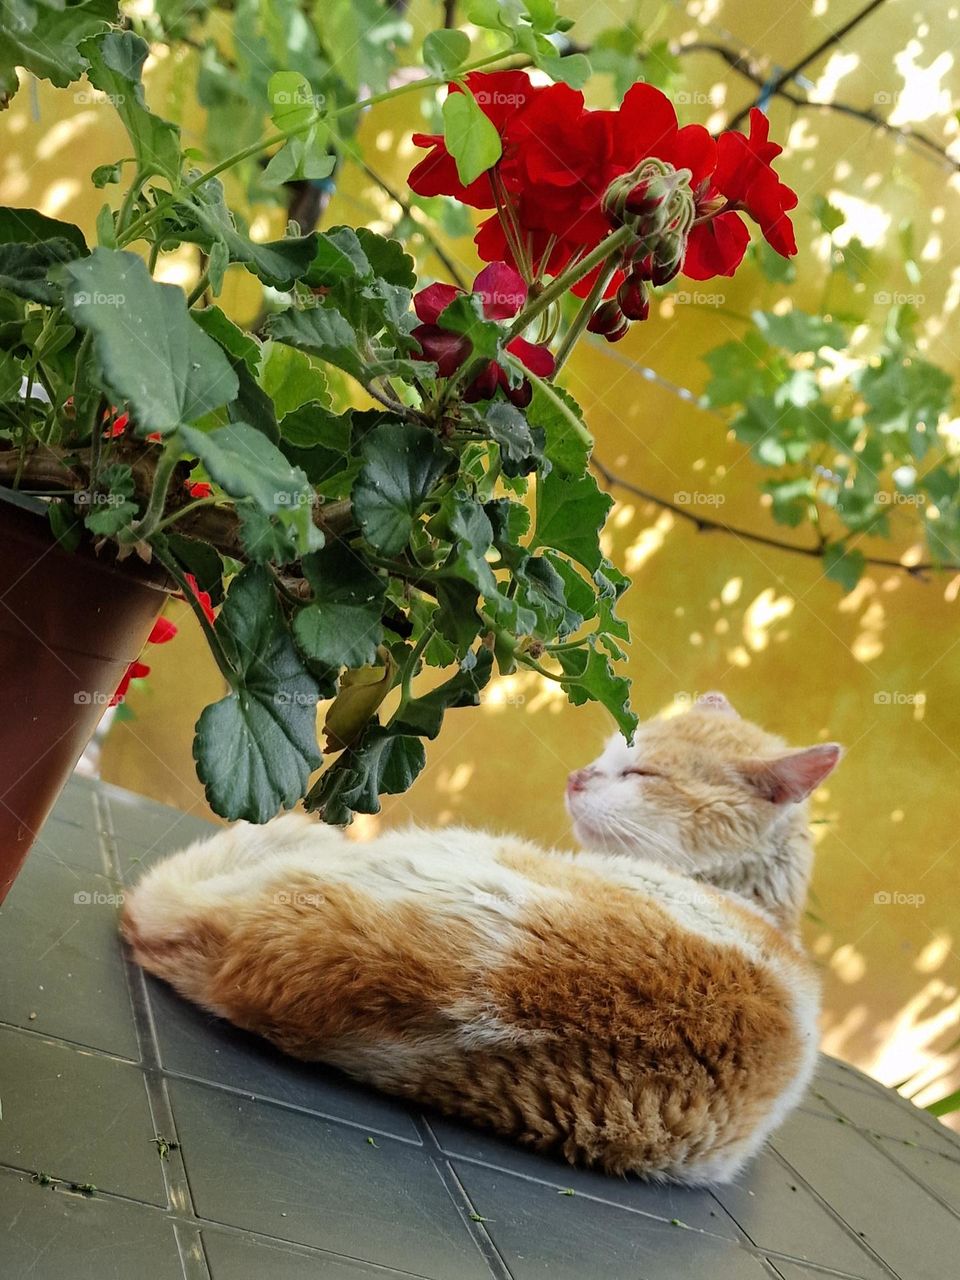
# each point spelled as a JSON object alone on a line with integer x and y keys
{"x": 640, "y": 771}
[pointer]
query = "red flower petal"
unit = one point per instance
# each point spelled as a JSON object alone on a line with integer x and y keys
{"x": 446, "y": 350}
{"x": 203, "y": 597}
{"x": 429, "y": 302}
{"x": 502, "y": 289}
{"x": 163, "y": 630}
{"x": 538, "y": 360}
{"x": 744, "y": 176}
{"x": 716, "y": 248}
{"x": 198, "y": 488}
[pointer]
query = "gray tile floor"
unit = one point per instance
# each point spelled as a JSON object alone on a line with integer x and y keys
{"x": 142, "y": 1140}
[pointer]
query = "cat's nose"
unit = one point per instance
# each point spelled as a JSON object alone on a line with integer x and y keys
{"x": 578, "y": 780}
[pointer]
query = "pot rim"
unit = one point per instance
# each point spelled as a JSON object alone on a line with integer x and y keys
{"x": 30, "y": 514}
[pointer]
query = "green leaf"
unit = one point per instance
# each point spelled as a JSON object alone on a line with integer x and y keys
{"x": 24, "y": 268}
{"x": 445, "y": 50}
{"x": 338, "y": 256}
{"x": 116, "y": 64}
{"x": 464, "y": 315}
{"x": 827, "y": 215}
{"x": 291, "y": 378}
{"x": 401, "y": 465}
{"x": 200, "y": 559}
{"x": 388, "y": 259}
{"x": 111, "y": 505}
{"x": 255, "y": 749}
{"x": 470, "y": 137}
{"x": 245, "y": 464}
{"x": 105, "y": 175}
{"x": 843, "y": 566}
{"x": 341, "y": 628}
{"x": 306, "y": 154}
{"x": 45, "y": 39}
{"x": 324, "y": 332}
{"x": 312, "y": 426}
{"x": 568, "y": 443}
{"x": 570, "y": 514}
{"x": 796, "y": 331}
{"x": 383, "y": 764}
{"x": 740, "y": 370}
{"x": 424, "y": 716}
{"x": 573, "y": 69}
{"x": 509, "y": 428}
{"x": 594, "y": 679}
{"x": 27, "y": 226}
{"x": 235, "y": 341}
{"x": 205, "y": 217}
{"x": 151, "y": 353}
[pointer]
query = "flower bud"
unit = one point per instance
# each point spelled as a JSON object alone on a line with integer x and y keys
{"x": 668, "y": 258}
{"x": 634, "y": 298}
{"x": 609, "y": 320}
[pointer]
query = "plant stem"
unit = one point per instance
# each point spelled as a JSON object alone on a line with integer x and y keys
{"x": 139, "y": 225}
{"x": 213, "y": 640}
{"x": 199, "y": 289}
{"x": 561, "y": 283}
{"x": 128, "y": 200}
{"x": 409, "y": 671}
{"x": 153, "y": 515}
{"x": 582, "y": 318}
{"x": 184, "y": 511}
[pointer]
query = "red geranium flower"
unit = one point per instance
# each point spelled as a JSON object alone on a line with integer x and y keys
{"x": 198, "y": 488}
{"x": 203, "y": 597}
{"x": 558, "y": 159}
{"x": 502, "y": 292}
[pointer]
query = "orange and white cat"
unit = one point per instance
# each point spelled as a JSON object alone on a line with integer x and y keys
{"x": 643, "y": 1007}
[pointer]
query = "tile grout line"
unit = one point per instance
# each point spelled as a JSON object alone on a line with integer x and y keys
{"x": 460, "y": 1196}
{"x": 186, "y": 1231}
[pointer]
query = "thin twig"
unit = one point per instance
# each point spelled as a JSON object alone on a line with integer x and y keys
{"x": 791, "y": 72}
{"x": 706, "y": 525}
{"x": 750, "y": 69}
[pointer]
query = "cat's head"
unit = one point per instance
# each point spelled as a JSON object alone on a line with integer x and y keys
{"x": 710, "y": 795}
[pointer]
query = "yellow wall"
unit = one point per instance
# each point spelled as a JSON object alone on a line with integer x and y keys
{"x": 707, "y": 611}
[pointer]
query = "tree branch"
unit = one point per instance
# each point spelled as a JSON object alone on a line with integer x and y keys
{"x": 705, "y": 524}
{"x": 786, "y": 76}
{"x": 751, "y": 70}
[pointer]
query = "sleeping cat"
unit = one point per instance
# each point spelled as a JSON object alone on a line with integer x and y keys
{"x": 644, "y": 1007}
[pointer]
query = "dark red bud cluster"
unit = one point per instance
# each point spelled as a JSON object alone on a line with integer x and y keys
{"x": 609, "y": 321}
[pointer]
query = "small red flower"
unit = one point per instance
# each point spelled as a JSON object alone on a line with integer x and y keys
{"x": 135, "y": 671}
{"x": 203, "y": 597}
{"x": 198, "y": 488}
{"x": 163, "y": 631}
{"x": 502, "y": 292}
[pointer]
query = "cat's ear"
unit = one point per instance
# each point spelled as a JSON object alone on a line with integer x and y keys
{"x": 714, "y": 702}
{"x": 789, "y": 778}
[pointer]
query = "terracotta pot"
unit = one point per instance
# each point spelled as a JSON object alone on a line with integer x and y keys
{"x": 69, "y": 625}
